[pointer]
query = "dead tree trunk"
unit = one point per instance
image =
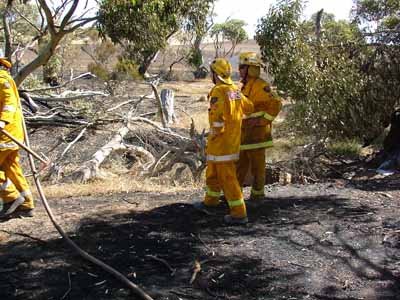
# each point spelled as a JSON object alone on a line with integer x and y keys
{"x": 160, "y": 106}
{"x": 91, "y": 169}
{"x": 167, "y": 101}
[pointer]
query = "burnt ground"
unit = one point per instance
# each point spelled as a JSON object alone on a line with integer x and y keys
{"x": 334, "y": 240}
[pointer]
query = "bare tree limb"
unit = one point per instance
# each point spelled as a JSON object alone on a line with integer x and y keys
{"x": 61, "y": 85}
{"x": 78, "y": 96}
{"x": 29, "y": 21}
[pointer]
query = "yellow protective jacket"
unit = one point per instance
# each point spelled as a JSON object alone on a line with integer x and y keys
{"x": 227, "y": 106}
{"x": 10, "y": 111}
{"x": 257, "y": 127}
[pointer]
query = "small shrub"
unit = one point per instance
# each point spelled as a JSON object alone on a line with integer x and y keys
{"x": 31, "y": 83}
{"x": 127, "y": 67}
{"x": 100, "y": 71}
{"x": 347, "y": 148}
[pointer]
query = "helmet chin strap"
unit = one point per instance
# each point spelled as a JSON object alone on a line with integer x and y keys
{"x": 214, "y": 78}
{"x": 244, "y": 80}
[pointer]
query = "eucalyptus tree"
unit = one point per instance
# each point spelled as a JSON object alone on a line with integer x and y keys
{"x": 142, "y": 28}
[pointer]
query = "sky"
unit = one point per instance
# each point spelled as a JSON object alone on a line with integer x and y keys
{"x": 251, "y": 11}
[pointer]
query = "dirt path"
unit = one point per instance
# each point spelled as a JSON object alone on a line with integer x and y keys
{"x": 322, "y": 241}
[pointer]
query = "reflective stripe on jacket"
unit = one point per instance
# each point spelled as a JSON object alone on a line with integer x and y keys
{"x": 227, "y": 105}
{"x": 257, "y": 127}
{"x": 10, "y": 111}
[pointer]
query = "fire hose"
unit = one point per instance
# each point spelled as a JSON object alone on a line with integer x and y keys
{"x": 133, "y": 287}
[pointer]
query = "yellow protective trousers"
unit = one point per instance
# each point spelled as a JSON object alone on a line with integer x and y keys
{"x": 255, "y": 161}
{"x": 222, "y": 176}
{"x": 12, "y": 181}
{"x": 8, "y": 192}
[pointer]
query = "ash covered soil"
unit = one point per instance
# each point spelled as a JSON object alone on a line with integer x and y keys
{"x": 332, "y": 240}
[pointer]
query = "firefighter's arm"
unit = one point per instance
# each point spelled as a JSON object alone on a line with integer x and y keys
{"x": 8, "y": 103}
{"x": 273, "y": 105}
{"x": 217, "y": 114}
{"x": 247, "y": 105}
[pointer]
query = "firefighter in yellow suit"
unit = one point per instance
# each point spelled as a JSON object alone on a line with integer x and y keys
{"x": 227, "y": 105}
{"x": 256, "y": 128}
{"x": 14, "y": 189}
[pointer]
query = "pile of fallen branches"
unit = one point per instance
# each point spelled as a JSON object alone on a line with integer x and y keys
{"x": 145, "y": 137}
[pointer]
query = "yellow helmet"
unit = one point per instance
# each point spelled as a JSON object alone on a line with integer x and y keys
{"x": 223, "y": 69}
{"x": 250, "y": 59}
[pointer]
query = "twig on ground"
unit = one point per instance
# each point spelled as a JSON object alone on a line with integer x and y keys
{"x": 172, "y": 270}
{"x": 134, "y": 203}
{"x": 159, "y": 160}
{"x": 78, "y": 137}
{"x": 24, "y": 235}
{"x": 122, "y": 104}
{"x": 69, "y": 289}
{"x": 205, "y": 245}
{"x": 180, "y": 294}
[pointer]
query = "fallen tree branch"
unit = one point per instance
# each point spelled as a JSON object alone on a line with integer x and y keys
{"x": 55, "y": 98}
{"x": 91, "y": 168}
{"x": 159, "y": 128}
{"x": 141, "y": 98}
{"x": 163, "y": 261}
{"x": 61, "y": 85}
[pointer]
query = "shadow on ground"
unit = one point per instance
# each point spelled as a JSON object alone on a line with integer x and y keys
{"x": 283, "y": 253}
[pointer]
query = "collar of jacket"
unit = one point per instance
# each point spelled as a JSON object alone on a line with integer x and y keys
{"x": 221, "y": 83}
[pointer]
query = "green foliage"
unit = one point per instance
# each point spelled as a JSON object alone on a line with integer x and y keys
{"x": 127, "y": 67}
{"x": 31, "y": 82}
{"x": 322, "y": 65}
{"x": 231, "y": 31}
{"x": 142, "y": 28}
{"x": 22, "y": 32}
{"x": 102, "y": 53}
{"x": 195, "y": 58}
{"x": 100, "y": 71}
{"x": 346, "y": 148}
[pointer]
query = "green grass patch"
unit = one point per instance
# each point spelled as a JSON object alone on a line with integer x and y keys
{"x": 348, "y": 148}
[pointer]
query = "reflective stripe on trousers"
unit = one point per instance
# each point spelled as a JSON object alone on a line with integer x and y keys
{"x": 212, "y": 193}
{"x": 8, "y": 146}
{"x": 263, "y": 114}
{"x": 10, "y": 108}
{"x": 218, "y": 124}
{"x": 257, "y": 192}
{"x": 5, "y": 185}
{"x": 266, "y": 144}
{"x": 228, "y": 157}
{"x": 233, "y": 203}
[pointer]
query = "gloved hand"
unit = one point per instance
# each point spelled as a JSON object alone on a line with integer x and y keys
{"x": 2, "y": 124}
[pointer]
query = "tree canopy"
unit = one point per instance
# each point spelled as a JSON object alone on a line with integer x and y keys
{"x": 340, "y": 76}
{"x": 232, "y": 31}
{"x": 142, "y": 28}
{"x": 25, "y": 23}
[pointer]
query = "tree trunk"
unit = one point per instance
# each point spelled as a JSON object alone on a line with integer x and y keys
{"x": 167, "y": 102}
{"x": 7, "y": 33}
{"x": 40, "y": 60}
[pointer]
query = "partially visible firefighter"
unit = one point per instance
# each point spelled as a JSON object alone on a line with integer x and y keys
{"x": 226, "y": 107}
{"x": 256, "y": 133}
{"x": 14, "y": 189}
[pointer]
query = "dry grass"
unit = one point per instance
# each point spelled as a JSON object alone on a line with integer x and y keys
{"x": 124, "y": 184}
